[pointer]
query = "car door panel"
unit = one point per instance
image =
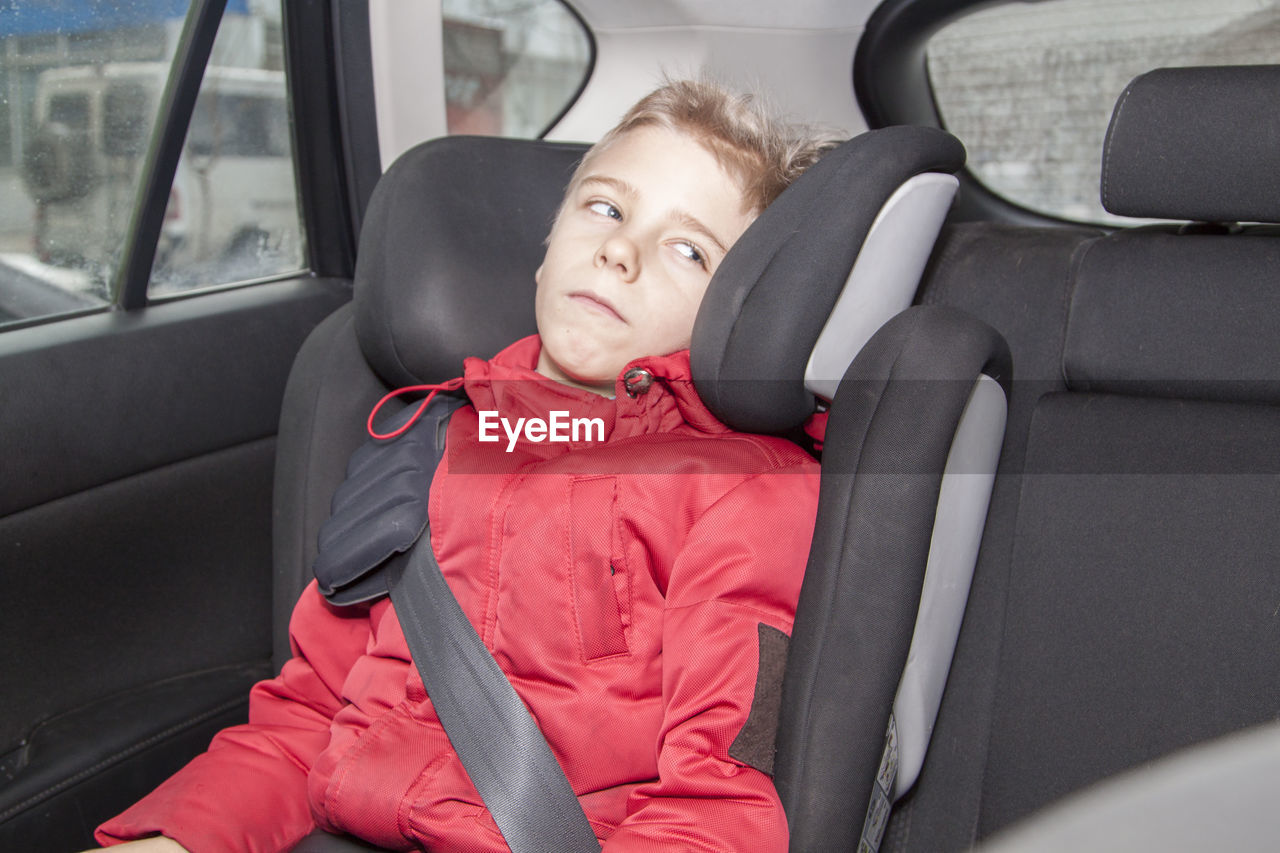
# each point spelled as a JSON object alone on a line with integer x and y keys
{"x": 135, "y": 541}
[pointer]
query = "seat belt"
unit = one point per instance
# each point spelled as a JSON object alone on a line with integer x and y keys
{"x": 378, "y": 510}
{"x": 500, "y": 745}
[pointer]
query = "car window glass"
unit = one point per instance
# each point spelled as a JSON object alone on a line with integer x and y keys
{"x": 125, "y": 108}
{"x": 1029, "y": 87}
{"x": 75, "y": 116}
{"x": 233, "y": 211}
{"x": 71, "y": 111}
{"x": 511, "y": 67}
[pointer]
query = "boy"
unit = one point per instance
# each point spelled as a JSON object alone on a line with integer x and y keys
{"x": 629, "y": 582}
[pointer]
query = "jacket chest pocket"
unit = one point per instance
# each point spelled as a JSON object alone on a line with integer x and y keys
{"x": 601, "y": 583}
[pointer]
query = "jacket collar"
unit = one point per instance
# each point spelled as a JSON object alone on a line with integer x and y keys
{"x": 509, "y": 384}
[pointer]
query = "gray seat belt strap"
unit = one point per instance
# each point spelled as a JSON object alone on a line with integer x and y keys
{"x": 501, "y": 747}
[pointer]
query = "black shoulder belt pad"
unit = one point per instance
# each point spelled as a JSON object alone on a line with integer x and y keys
{"x": 381, "y": 508}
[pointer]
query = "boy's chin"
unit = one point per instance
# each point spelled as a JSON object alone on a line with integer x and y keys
{"x": 588, "y": 373}
{"x": 603, "y": 387}
{"x": 584, "y": 379}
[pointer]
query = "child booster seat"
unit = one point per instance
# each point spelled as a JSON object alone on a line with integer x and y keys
{"x": 447, "y": 254}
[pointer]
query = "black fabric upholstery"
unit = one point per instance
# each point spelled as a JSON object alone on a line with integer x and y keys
{"x": 1124, "y": 600}
{"x": 451, "y": 239}
{"x": 755, "y": 324}
{"x": 890, "y": 429}
{"x": 329, "y": 395}
{"x": 1196, "y": 143}
{"x": 1141, "y": 614}
{"x": 1016, "y": 280}
{"x": 1185, "y": 315}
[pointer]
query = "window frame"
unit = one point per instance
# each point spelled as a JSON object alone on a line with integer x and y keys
{"x": 892, "y": 85}
{"x": 334, "y": 173}
{"x": 588, "y": 70}
{"x": 177, "y": 103}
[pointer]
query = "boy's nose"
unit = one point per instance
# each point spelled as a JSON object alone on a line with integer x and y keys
{"x": 621, "y": 255}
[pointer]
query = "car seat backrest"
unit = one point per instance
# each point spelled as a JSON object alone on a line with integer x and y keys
{"x": 1137, "y": 615}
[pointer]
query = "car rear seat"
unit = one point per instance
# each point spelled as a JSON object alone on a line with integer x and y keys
{"x": 1125, "y": 603}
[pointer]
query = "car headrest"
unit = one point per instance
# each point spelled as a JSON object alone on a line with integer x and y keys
{"x": 456, "y": 228}
{"x": 451, "y": 239}
{"x": 1188, "y": 316}
{"x": 770, "y": 300}
{"x": 1198, "y": 144}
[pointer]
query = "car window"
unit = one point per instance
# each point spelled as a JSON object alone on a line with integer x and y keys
{"x": 233, "y": 210}
{"x": 125, "y": 108}
{"x": 511, "y": 67}
{"x": 80, "y": 89}
{"x": 1029, "y": 87}
{"x": 71, "y": 111}
{"x": 240, "y": 125}
{"x": 68, "y": 142}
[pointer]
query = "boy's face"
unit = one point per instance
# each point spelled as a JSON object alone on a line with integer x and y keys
{"x": 630, "y": 256}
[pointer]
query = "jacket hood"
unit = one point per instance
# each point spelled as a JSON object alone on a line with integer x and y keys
{"x": 664, "y": 397}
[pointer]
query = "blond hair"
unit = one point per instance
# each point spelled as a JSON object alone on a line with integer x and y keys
{"x": 763, "y": 153}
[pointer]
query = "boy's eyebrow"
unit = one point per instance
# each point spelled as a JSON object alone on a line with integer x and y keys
{"x": 691, "y": 222}
{"x": 610, "y": 181}
{"x": 684, "y": 218}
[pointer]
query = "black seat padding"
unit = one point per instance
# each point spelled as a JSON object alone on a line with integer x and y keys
{"x": 447, "y": 253}
{"x": 1196, "y": 144}
{"x": 890, "y": 432}
{"x": 1126, "y": 592}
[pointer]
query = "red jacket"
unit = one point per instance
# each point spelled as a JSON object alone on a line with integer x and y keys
{"x": 621, "y": 585}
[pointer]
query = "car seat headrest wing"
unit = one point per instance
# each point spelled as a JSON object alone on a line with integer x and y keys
{"x": 453, "y": 234}
{"x": 769, "y": 301}
{"x": 1196, "y": 143}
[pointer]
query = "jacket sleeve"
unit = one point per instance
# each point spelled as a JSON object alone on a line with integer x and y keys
{"x": 730, "y": 603}
{"x": 248, "y": 792}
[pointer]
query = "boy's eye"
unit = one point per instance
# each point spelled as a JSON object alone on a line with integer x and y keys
{"x": 604, "y": 208}
{"x": 691, "y": 252}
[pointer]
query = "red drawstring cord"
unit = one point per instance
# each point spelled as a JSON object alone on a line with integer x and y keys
{"x": 451, "y": 385}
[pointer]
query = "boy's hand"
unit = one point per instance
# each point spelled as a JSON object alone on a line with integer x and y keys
{"x": 155, "y": 844}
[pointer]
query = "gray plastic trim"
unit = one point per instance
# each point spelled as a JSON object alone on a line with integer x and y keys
{"x": 953, "y": 551}
{"x": 884, "y": 277}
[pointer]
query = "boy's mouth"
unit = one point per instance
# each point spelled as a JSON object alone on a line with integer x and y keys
{"x": 595, "y": 302}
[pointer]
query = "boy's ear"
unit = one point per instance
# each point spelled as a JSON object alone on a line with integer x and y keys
{"x": 537, "y": 275}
